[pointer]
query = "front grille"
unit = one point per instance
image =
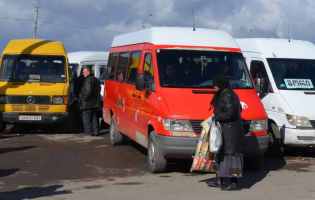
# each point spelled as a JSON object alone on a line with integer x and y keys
{"x": 17, "y": 108}
{"x": 198, "y": 128}
{"x": 23, "y": 99}
{"x": 313, "y": 123}
{"x": 30, "y": 108}
{"x": 43, "y": 108}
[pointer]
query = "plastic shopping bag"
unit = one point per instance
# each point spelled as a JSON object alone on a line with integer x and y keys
{"x": 216, "y": 140}
{"x": 203, "y": 160}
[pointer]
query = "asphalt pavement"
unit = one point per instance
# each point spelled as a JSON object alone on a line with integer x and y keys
{"x": 36, "y": 162}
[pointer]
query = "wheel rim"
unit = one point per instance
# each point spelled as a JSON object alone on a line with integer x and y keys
{"x": 151, "y": 153}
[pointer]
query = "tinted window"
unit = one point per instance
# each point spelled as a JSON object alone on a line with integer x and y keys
{"x": 133, "y": 67}
{"x": 295, "y": 74}
{"x": 196, "y": 69}
{"x": 110, "y": 73}
{"x": 33, "y": 68}
{"x": 122, "y": 66}
{"x": 148, "y": 71}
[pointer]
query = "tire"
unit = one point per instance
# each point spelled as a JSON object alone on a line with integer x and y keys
{"x": 66, "y": 126}
{"x": 253, "y": 163}
{"x": 275, "y": 146}
{"x": 3, "y": 125}
{"x": 156, "y": 161}
{"x": 115, "y": 137}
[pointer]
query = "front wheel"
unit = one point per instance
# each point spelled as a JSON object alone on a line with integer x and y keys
{"x": 115, "y": 137}
{"x": 275, "y": 146}
{"x": 156, "y": 161}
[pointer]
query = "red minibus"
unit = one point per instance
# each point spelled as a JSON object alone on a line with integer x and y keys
{"x": 158, "y": 88}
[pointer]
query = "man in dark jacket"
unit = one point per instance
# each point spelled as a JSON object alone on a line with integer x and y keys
{"x": 89, "y": 101}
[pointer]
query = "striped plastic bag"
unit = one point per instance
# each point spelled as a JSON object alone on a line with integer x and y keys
{"x": 203, "y": 160}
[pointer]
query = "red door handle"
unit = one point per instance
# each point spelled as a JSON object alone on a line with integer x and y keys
{"x": 134, "y": 95}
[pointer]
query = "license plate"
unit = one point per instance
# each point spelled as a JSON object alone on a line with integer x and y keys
{"x": 30, "y": 117}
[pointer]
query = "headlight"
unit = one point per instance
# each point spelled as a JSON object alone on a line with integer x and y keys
{"x": 177, "y": 125}
{"x": 4, "y": 99}
{"x": 258, "y": 125}
{"x": 57, "y": 100}
{"x": 298, "y": 121}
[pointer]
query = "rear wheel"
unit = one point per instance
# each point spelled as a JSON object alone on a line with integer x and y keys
{"x": 3, "y": 125}
{"x": 253, "y": 163}
{"x": 156, "y": 161}
{"x": 275, "y": 146}
{"x": 115, "y": 137}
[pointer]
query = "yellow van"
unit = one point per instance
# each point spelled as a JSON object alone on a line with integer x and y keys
{"x": 34, "y": 83}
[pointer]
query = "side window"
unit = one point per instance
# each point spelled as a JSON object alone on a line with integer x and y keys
{"x": 133, "y": 67}
{"x": 110, "y": 73}
{"x": 257, "y": 69}
{"x": 122, "y": 66}
{"x": 148, "y": 70}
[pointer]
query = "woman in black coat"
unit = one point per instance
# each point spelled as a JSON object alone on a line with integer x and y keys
{"x": 227, "y": 112}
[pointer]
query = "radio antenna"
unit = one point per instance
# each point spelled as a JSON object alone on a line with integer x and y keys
{"x": 289, "y": 32}
{"x": 250, "y": 33}
{"x": 193, "y": 19}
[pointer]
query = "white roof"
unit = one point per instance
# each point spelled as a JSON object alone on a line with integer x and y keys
{"x": 278, "y": 48}
{"x": 177, "y": 36}
{"x": 84, "y": 56}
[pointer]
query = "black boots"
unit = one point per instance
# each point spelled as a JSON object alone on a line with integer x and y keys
{"x": 215, "y": 182}
{"x": 234, "y": 185}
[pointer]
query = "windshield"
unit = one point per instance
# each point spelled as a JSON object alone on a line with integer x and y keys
{"x": 33, "y": 68}
{"x": 293, "y": 74}
{"x": 196, "y": 69}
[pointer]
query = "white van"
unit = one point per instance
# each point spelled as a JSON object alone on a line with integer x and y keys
{"x": 284, "y": 74}
{"x": 95, "y": 60}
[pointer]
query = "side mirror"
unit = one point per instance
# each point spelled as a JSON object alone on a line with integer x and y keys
{"x": 140, "y": 82}
{"x": 262, "y": 84}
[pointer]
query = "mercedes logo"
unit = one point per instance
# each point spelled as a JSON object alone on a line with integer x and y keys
{"x": 30, "y": 100}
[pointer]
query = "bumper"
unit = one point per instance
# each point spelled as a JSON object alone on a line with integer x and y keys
{"x": 298, "y": 137}
{"x": 255, "y": 146}
{"x": 46, "y": 118}
{"x": 177, "y": 147}
{"x": 185, "y": 147}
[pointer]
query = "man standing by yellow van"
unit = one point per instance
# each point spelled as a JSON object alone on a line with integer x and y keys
{"x": 89, "y": 101}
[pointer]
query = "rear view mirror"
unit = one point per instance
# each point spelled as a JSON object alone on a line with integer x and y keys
{"x": 262, "y": 84}
{"x": 140, "y": 82}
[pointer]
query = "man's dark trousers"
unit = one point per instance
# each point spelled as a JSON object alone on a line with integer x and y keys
{"x": 90, "y": 121}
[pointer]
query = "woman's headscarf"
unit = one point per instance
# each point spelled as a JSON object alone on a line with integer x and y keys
{"x": 221, "y": 82}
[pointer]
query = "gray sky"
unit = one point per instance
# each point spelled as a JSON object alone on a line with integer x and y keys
{"x": 102, "y": 20}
